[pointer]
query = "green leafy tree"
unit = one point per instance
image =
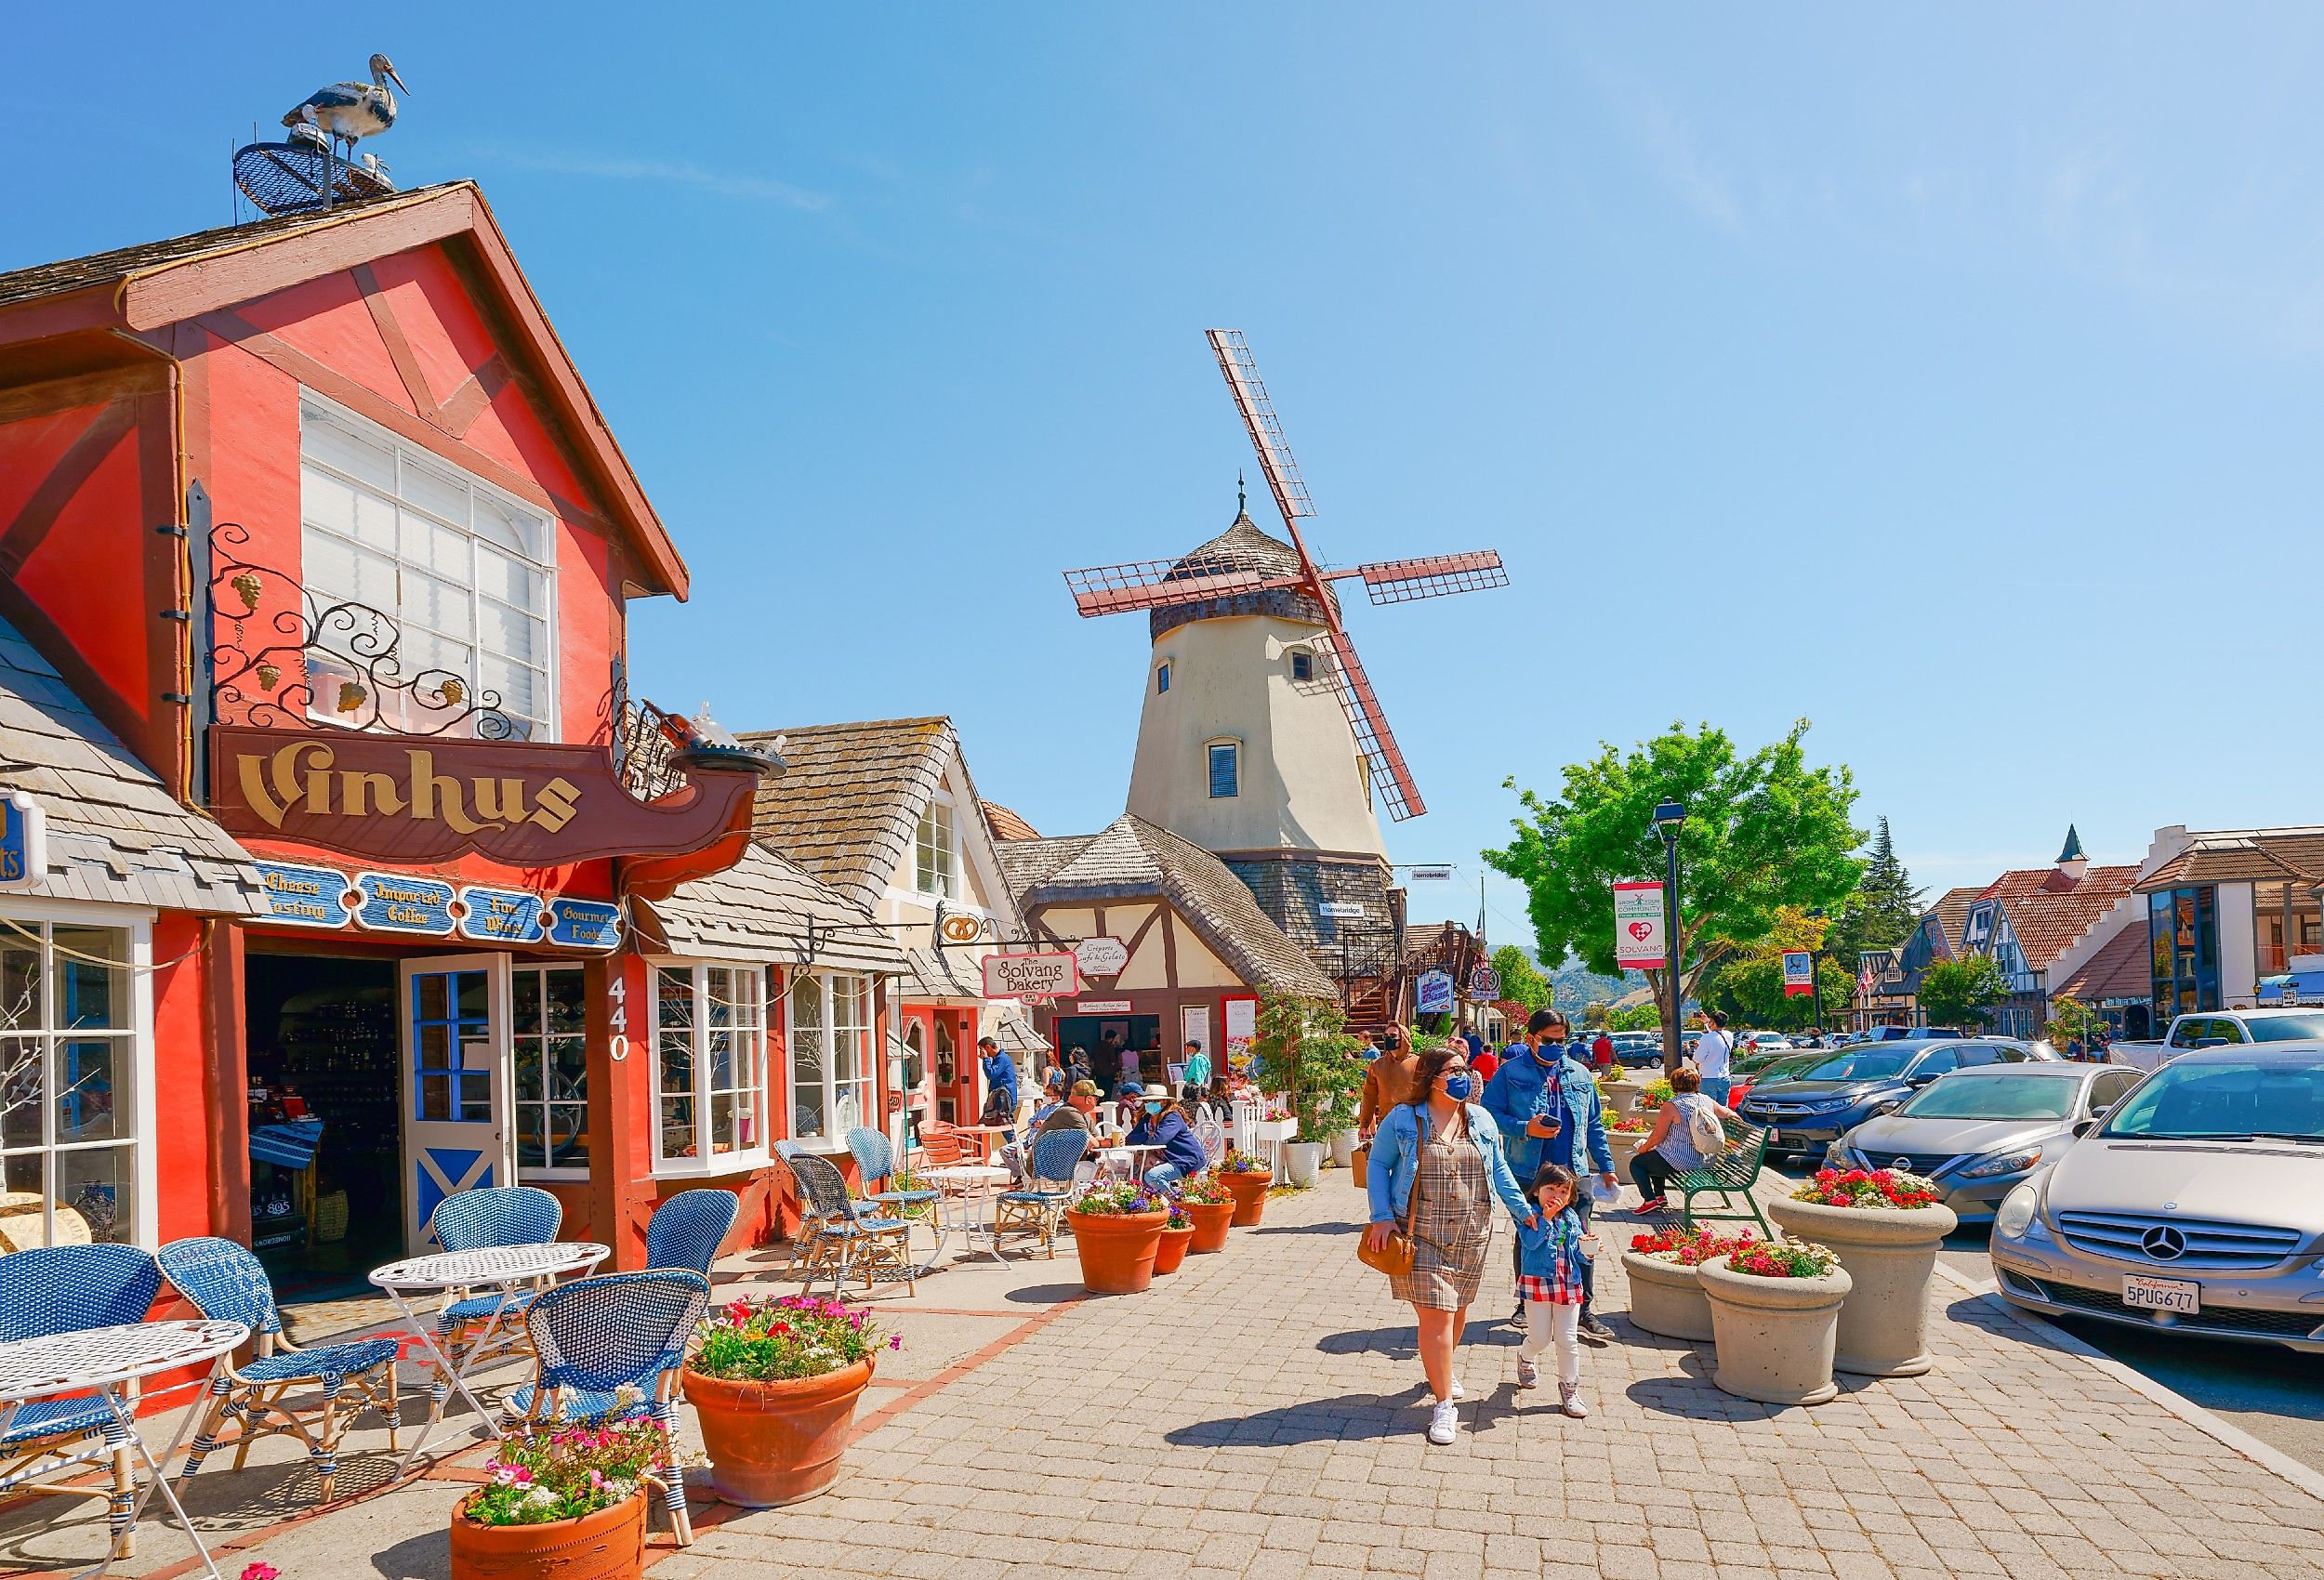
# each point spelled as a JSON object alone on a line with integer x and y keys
{"x": 1884, "y": 909}
{"x": 1521, "y": 982}
{"x": 2069, "y": 1018}
{"x": 1749, "y": 984}
{"x": 1593, "y": 1015}
{"x": 1637, "y": 1018}
{"x": 1762, "y": 831}
{"x": 1302, "y": 1047}
{"x": 1958, "y": 993}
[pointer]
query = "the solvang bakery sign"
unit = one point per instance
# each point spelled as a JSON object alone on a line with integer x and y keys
{"x": 406, "y": 800}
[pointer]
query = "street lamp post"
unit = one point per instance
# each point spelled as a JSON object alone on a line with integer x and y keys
{"x": 1668, "y": 817}
{"x": 1815, "y": 972}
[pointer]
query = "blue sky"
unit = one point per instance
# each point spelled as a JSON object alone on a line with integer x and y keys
{"x": 1946, "y": 375}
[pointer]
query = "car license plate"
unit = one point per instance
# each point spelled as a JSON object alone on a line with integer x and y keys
{"x": 1775, "y": 1137}
{"x": 2179, "y": 1294}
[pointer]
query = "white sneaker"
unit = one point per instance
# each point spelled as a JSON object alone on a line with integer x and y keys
{"x": 1529, "y": 1374}
{"x": 1569, "y": 1400}
{"x": 1445, "y": 1424}
{"x": 1458, "y": 1391}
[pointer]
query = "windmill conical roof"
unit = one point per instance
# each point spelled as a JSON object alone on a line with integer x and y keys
{"x": 1243, "y": 546}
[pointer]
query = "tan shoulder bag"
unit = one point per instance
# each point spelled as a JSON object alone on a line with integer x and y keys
{"x": 1395, "y": 1257}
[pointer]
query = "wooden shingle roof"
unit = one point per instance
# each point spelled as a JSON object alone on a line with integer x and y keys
{"x": 765, "y": 908}
{"x": 846, "y": 806}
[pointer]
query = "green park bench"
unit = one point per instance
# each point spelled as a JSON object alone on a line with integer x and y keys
{"x": 1726, "y": 1178}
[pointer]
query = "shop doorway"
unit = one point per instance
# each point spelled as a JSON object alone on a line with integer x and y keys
{"x": 1102, "y": 1035}
{"x": 455, "y": 1025}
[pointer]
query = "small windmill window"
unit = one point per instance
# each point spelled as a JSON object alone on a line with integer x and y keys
{"x": 1161, "y": 678}
{"x": 1302, "y": 665}
{"x": 1223, "y": 778}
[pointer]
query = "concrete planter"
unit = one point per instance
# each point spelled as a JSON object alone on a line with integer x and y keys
{"x": 1303, "y": 1160}
{"x": 1775, "y": 1334}
{"x": 1890, "y": 1252}
{"x": 1625, "y": 1146}
{"x": 1667, "y": 1299}
{"x": 1342, "y": 1148}
{"x": 1623, "y": 1094}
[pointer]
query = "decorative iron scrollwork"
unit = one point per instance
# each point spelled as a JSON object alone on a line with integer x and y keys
{"x": 328, "y": 661}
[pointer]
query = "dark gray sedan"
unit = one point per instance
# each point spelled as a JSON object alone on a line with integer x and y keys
{"x": 1977, "y": 1132}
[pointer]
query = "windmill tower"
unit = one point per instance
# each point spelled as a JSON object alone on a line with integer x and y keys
{"x": 1260, "y": 738}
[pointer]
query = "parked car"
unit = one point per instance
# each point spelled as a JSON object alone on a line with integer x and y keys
{"x": 2196, "y": 1205}
{"x": 1979, "y": 1131}
{"x": 2219, "y": 1028}
{"x": 1749, "y": 1070}
{"x": 1823, "y": 1099}
{"x": 1904, "y": 1033}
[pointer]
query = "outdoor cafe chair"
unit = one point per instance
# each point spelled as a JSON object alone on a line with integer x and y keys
{"x": 1049, "y": 1187}
{"x": 52, "y": 1289}
{"x": 490, "y": 1217}
{"x": 686, "y": 1230}
{"x": 842, "y": 1238}
{"x": 876, "y": 1166}
{"x": 226, "y": 1284}
{"x": 1212, "y": 1135}
{"x": 611, "y": 1347}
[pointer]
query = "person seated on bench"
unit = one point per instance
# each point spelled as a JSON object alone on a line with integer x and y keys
{"x": 1672, "y": 1147}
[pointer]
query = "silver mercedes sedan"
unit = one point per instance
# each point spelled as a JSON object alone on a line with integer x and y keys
{"x": 1978, "y": 1132}
{"x": 2196, "y": 1204}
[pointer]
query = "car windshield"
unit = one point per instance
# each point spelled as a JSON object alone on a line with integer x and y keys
{"x": 2225, "y": 1099}
{"x": 2284, "y": 1028}
{"x": 1994, "y": 1096}
{"x": 1855, "y": 1064}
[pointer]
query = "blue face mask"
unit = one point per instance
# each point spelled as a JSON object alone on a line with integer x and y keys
{"x": 1153, "y": 1108}
{"x": 1458, "y": 1087}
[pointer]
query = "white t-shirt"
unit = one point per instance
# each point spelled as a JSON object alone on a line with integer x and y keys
{"x": 1712, "y": 1053}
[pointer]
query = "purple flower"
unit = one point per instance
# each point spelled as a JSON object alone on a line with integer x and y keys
{"x": 895, "y": 1341}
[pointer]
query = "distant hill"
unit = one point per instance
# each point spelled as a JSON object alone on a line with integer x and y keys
{"x": 1578, "y": 985}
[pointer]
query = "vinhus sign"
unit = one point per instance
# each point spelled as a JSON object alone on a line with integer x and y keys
{"x": 397, "y": 798}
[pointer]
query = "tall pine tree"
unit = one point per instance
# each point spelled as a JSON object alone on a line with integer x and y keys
{"x": 1884, "y": 909}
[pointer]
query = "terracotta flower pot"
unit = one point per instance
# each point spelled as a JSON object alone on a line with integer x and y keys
{"x": 1666, "y": 1298}
{"x": 779, "y": 1442}
{"x": 1249, "y": 1191}
{"x": 1116, "y": 1249}
{"x": 1172, "y": 1250}
{"x": 1211, "y": 1224}
{"x": 1775, "y": 1334}
{"x": 608, "y": 1544}
{"x": 1890, "y": 1252}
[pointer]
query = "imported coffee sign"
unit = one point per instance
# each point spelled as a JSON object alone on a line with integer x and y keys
{"x": 406, "y": 800}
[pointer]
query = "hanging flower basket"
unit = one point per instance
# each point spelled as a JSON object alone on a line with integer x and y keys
{"x": 1775, "y": 1310}
{"x": 774, "y": 1383}
{"x": 1887, "y": 1227}
{"x": 1118, "y": 1233}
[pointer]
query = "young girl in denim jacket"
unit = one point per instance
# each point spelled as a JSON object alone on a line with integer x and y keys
{"x": 1555, "y": 1248}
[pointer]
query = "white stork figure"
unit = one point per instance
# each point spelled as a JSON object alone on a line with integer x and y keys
{"x": 349, "y": 111}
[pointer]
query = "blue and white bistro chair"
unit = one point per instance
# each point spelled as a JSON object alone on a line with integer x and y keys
{"x": 843, "y": 1236}
{"x": 876, "y": 1168}
{"x": 612, "y": 1347}
{"x": 226, "y": 1284}
{"x": 1056, "y": 1155}
{"x": 53, "y": 1289}
{"x": 491, "y": 1218}
{"x": 687, "y": 1231}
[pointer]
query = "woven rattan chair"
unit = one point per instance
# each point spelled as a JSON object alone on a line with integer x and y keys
{"x": 843, "y": 1238}
{"x": 488, "y": 1218}
{"x": 225, "y": 1282}
{"x": 54, "y": 1289}
{"x": 1039, "y": 1206}
{"x": 876, "y": 1166}
{"x": 613, "y": 1346}
{"x": 686, "y": 1230}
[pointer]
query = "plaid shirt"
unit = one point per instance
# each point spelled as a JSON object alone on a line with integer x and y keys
{"x": 1561, "y": 1285}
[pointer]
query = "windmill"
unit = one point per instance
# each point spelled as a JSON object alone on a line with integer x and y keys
{"x": 1245, "y": 572}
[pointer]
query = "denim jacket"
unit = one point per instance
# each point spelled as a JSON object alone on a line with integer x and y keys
{"x": 1396, "y": 1152}
{"x": 1556, "y": 1243}
{"x": 1513, "y": 1096}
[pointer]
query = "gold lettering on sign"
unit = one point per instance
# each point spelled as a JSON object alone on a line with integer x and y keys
{"x": 500, "y": 800}
{"x": 560, "y": 801}
{"x": 353, "y": 785}
{"x": 427, "y": 783}
{"x": 297, "y": 777}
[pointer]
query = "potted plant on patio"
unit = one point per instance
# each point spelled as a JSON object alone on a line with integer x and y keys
{"x": 562, "y": 1501}
{"x": 1774, "y": 1309}
{"x": 1176, "y": 1234}
{"x": 1301, "y": 1048}
{"x": 1118, "y": 1232}
{"x": 1887, "y": 1227}
{"x": 1665, "y": 1292}
{"x": 1211, "y": 1207}
{"x": 1620, "y": 1092}
{"x": 774, "y": 1381}
{"x": 1623, "y": 1132}
{"x": 1247, "y": 1179}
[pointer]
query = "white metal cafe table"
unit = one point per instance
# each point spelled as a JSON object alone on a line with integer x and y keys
{"x": 106, "y": 1359}
{"x": 507, "y": 1270}
{"x": 965, "y": 1208}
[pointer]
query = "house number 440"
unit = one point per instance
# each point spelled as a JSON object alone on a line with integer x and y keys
{"x": 617, "y": 1047}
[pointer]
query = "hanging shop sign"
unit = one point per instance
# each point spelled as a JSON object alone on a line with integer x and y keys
{"x": 1051, "y": 974}
{"x": 392, "y": 902}
{"x": 1434, "y": 994}
{"x": 390, "y": 799}
{"x": 1438, "y": 872}
{"x": 959, "y": 926}
{"x": 1799, "y": 973}
{"x": 501, "y": 915}
{"x": 305, "y": 897}
{"x": 1348, "y": 909}
{"x": 1638, "y": 943}
{"x": 1484, "y": 983}
{"x": 584, "y": 924}
{"x": 23, "y": 840}
{"x": 1101, "y": 956}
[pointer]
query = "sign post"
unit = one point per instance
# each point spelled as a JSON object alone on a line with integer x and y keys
{"x": 1434, "y": 994}
{"x": 1638, "y": 926}
{"x": 1799, "y": 973}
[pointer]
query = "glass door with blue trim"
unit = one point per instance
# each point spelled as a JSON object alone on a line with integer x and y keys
{"x": 456, "y": 1041}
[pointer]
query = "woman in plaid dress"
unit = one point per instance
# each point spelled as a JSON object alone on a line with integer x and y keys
{"x": 1552, "y": 1248}
{"x": 1445, "y": 1148}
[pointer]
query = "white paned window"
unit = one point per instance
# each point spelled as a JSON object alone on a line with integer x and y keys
{"x": 831, "y": 1056}
{"x": 68, "y": 1073}
{"x": 709, "y": 1065}
{"x": 552, "y": 1071}
{"x": 462, "y": 569}
{"x": 931, "y": 853}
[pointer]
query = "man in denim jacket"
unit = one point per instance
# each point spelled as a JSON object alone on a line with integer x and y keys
{"x": 1546, "y": 1105}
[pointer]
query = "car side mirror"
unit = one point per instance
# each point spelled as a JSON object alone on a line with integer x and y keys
{"x": 1919, "y": 1080}
{"x": 2084, "y": 1127}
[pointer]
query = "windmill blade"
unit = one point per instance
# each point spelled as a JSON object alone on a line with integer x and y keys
{"x": 1159, "y": 584}
{"x": 1266, "y": 433}
{"x": 1390, "y": 777}
{"x": 1436, "y": 576}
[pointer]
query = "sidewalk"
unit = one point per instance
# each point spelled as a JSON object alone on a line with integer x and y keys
{"x": 1259, "y": 1415}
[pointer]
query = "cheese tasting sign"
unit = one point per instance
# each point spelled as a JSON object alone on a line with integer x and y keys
{"x": 404, "y": 799}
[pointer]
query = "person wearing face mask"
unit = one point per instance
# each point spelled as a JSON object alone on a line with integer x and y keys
{"x": 1546, "y": 1103}
{"x": 1389, "y": 1081}
{"x": 1437, "y": 1169}
{"x": 1160, "y": 1125}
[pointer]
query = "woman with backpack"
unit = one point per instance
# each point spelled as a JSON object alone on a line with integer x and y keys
{"x": 1689, "y": 1131}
